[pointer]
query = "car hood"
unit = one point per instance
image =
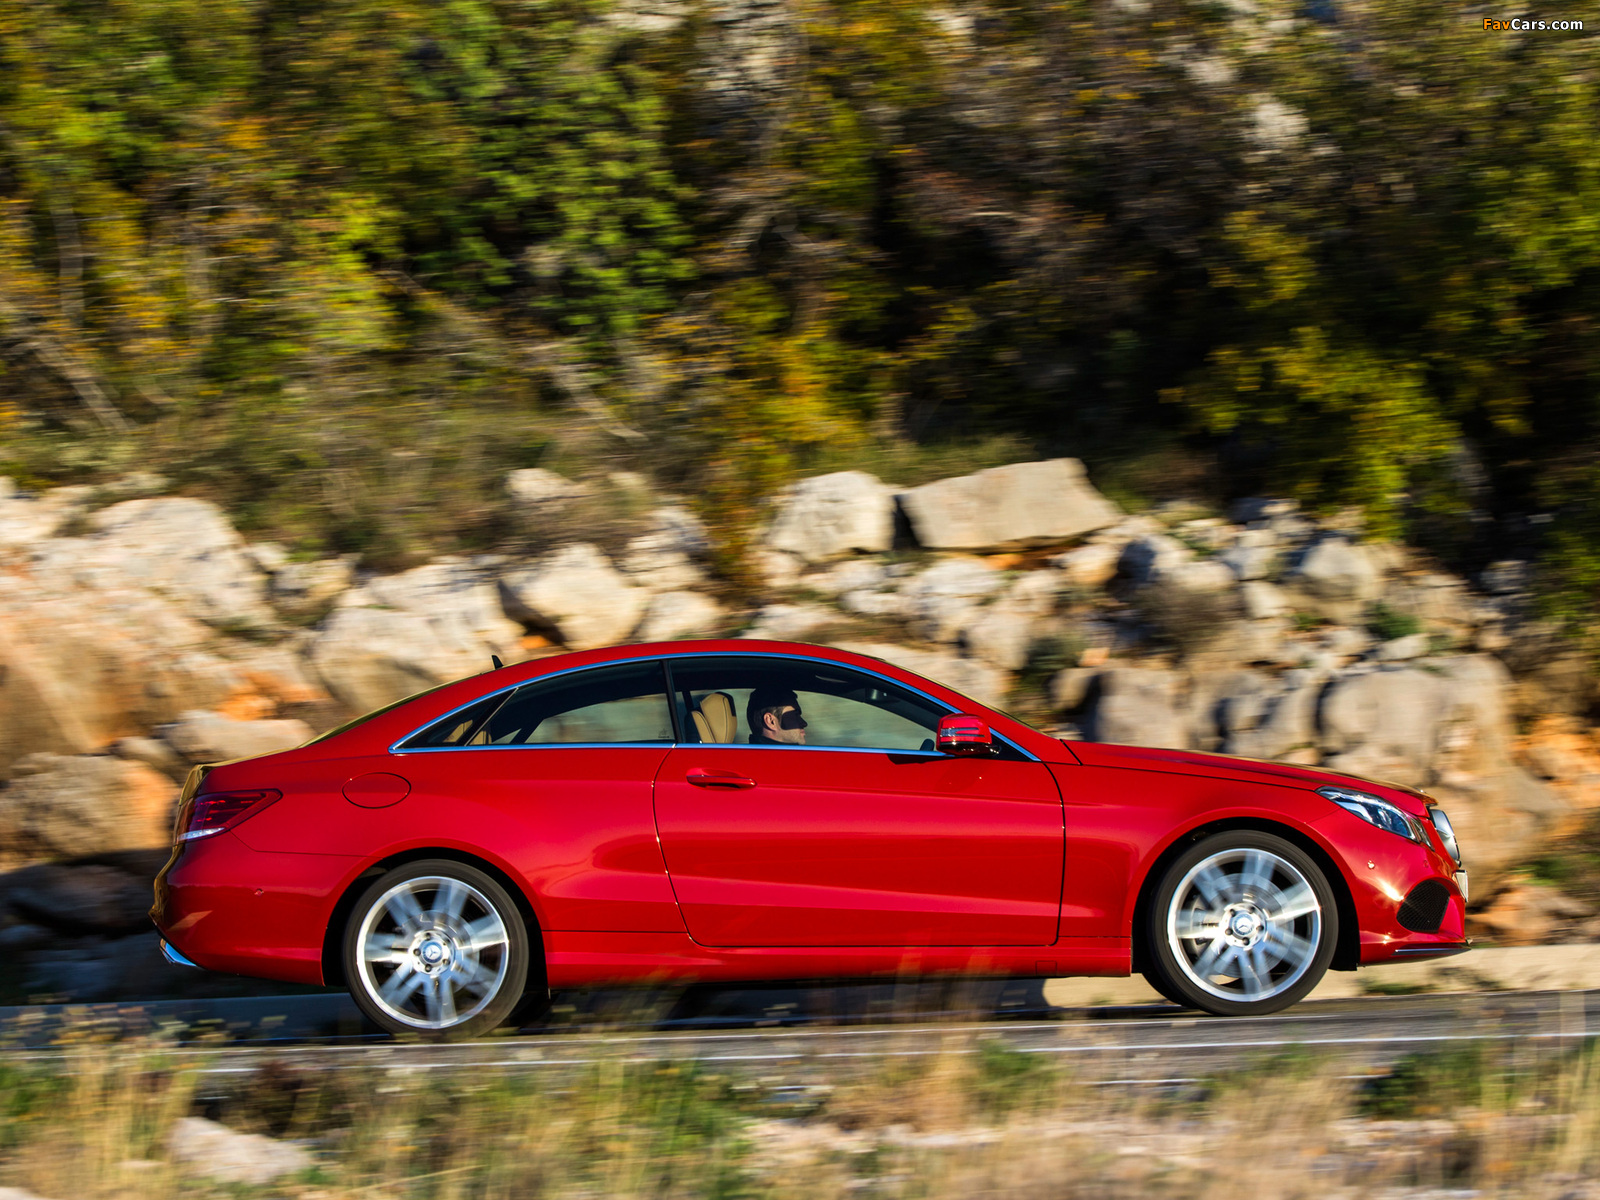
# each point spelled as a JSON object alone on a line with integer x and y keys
{"x": 1253, "y": 770}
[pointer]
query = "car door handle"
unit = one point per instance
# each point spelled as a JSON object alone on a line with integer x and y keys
{"x": 702, "y": 778}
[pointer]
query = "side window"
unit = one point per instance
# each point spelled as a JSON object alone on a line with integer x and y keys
{"x": 622, "y": 703}
{"x": 731, "y": 699}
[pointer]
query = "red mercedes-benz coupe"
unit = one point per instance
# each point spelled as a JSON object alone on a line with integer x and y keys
{"x": 743, "y": 810}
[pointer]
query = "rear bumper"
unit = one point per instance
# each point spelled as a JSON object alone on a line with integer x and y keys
{"x": 222, "y": 906}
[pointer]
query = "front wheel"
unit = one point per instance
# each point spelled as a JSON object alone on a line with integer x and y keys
{"x": 1243, "y": 924}
{"x": 436, "y": 948}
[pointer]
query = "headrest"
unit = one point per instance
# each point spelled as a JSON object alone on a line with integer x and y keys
{"x": 714, "y": 719}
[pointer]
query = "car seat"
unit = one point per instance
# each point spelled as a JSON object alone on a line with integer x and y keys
{"x": 714, "y": 718}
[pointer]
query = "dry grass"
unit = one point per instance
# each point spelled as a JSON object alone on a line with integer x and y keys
{"x": 973, "y": 1119}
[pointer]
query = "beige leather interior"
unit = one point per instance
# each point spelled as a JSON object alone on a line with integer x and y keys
{"x": 715, "y": 720}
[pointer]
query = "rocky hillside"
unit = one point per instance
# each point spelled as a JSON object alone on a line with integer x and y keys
{"x": 140, "y": 634}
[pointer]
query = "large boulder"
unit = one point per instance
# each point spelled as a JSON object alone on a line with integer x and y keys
{"x": 667, "y": 557}
{"x": 90, "y": 656}
{"x": 1141, "y": 707}
{"x": 208, "y": 737}
{"x": 575, "y": 596}
{"x": 403, "y": 633}
{"x": 674, "y": 615}
{"x": 828, "y": 516}
{"x": 541, "y": 492}
{"x": 1338, "y": 577}
{"x": 185, "y": 550}
{"x": 1444, "y": 725}
{"x": 58, "y": 806}
{"x": 96, "y": 897}
{"x": 1152, "y": 558}
{"x": 1024, "y": 504}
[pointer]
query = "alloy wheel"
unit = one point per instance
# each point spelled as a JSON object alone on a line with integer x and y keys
{"x": 434, "y": 952}
{"x": 1244, "y": 925}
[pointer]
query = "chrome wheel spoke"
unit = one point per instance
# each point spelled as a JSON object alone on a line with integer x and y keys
{"x": 473, "y": 977}
{"x": 1214, "y": 886}
{"x": 1253, "y": 980}
{"x": 404, "y": 909}
{"x": 1287, "y": 944}
{"x": 384, "y": 948}
{"x": 1256, "y": 877}
{"x": 1296, "y": 902}
{"x": 483, "y": 934}
{"x": 400, "y": 986}
{"x": 1198, "y": 924}
{"x": 449, "y": 902}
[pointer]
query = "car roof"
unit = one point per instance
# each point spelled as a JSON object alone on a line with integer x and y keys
{"x": 382, "y": 731}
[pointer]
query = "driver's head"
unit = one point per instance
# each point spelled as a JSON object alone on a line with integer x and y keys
{"x": 774, "y": 713}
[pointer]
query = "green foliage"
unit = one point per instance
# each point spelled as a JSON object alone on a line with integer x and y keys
{"x": 342, "y": 264}
{"x": 1386, "y": 623}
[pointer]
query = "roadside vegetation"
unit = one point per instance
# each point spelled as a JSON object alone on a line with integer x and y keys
{"x": 973, "y": 1118}
{"x": 340, "y": 266}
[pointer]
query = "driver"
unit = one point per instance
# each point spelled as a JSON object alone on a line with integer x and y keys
{"x": 774, "y": 718}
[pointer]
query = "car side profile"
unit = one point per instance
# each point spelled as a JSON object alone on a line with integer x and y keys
{"x": 746, "y": 811}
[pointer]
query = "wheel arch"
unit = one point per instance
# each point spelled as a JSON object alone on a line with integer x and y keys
{"x": 333, "y": 936}
{"x": 1347, "y": 952}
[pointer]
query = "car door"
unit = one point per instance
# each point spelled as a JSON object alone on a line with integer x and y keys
{"x": 863, "y": 836}
{"x": 556, "y": 776}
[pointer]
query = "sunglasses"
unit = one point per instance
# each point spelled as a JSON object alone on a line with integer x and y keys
{"x": 791, "y": 720}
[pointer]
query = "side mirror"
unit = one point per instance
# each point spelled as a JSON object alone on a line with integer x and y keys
{"x": 964, "y": 735}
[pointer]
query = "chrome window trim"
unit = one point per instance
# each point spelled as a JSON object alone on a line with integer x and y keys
{"x": 398, "y": 746}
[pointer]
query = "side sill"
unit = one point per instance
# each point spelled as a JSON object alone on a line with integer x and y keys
{"x": 1441, "y": 951}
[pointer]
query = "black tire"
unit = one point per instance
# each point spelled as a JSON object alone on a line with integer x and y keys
{"x": 1242, "y": 924}
{"x": 437, "y": 949}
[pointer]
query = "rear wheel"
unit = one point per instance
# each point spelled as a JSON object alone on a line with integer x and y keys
{"x": 436, "y": 948}
{"x": 1244, "y": 923}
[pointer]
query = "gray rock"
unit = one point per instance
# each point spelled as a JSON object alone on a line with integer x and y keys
{"x": 1402, "y": 648}
{"x": 153, "y": 753}
{"x": 220, "y": 1153}
{"x": 1204, "y": 575}
{"x": 301, "y": 588}
{"x": 577, "y": 596}
{"x": 1507, "y": 577}
{"x": 89, "y": 898}
{"x": 400, "y": 634}
{"x": 1140, "y": 707}
{"x": 875, "y": 604}
{"x": 828, "y": 516}
{"x": 187, "y": 551}
{"x": 984, "y": 684}
{"x": 208, "y": 737}
{"x": 1024, "y": 504}
{"x": 1262, "y": 601}
{"x": 1338, "y": 577}
{"x": 1152, "y": 558}
{"x": 1070, "y": 687}
{"x": 673, "y": 615}
{"x": 1249, "y": 561}
{"x": 787, "y": 622}
{"x": 1001, "y": 634}
{"x": 25, "y": 520}
{"x": 1091, "y": 566}
{"x": 941, "y": 600}
{"x": 667, "y": 557}
{"x": 1259, "y": 508}
{"x": 75, "y": 806}
{"x": 777, "y": 570}
{"x": 852, "y": 575}
{"x": 542, "y": 492}
{"x": 1275, "y": 721}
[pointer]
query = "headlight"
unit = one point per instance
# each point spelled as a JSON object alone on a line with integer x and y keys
{"x": 1375, "y": 810}
{"x": 1447, "y": 832}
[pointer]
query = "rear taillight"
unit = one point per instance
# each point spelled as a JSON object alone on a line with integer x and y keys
{"x": 213, "y": 812}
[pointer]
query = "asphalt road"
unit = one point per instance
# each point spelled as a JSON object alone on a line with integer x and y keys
{"x": 1126, "y": 1046}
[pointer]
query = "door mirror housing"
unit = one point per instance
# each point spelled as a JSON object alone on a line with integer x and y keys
{"x": 964, "y": 735}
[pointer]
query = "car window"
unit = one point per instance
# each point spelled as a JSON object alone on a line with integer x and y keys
{"x": 622, "y": 703}
{"x": 840, "y": 706}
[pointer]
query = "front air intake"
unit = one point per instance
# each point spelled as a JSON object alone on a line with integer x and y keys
{"x": 1424, "y": 909}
